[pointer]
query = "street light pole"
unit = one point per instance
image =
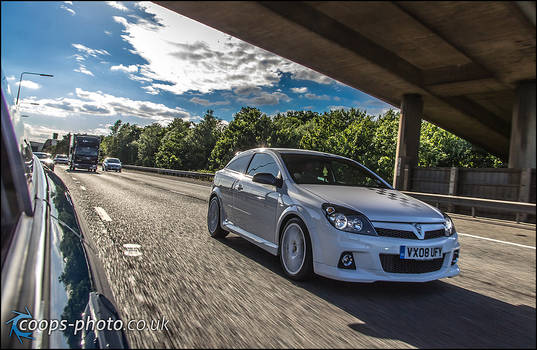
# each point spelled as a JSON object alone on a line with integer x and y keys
{"x": 20, "y": 82}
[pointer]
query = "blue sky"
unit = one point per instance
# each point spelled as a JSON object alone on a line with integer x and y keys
{"x": 141, "y": 63}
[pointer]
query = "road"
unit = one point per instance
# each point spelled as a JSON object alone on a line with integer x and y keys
{"x": 229, "y": 293}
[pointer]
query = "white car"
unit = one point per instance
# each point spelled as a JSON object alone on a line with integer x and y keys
{"x": 329, "y": 215}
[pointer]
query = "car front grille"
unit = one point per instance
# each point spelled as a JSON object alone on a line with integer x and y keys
{"x": 387, "y": 232}
{"x": 434, "y": 234}
{"x": 393, "y": 264}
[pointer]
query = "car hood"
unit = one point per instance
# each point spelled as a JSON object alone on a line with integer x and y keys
{"x": 377, "y": 204}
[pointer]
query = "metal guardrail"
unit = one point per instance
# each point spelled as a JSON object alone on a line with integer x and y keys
{"x": 507, "y": 206}
{"x": 193, "y": 174}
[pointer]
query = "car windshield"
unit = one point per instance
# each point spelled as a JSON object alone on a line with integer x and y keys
{"x": 325, "y": 170}
{"x": 87, "y": 151}
{"x": 42, "y": 155}
{"x": 61, "y": 156}
{"x": 112, "y": 160}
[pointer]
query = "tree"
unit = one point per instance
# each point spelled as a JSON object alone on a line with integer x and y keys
{"x": 249, "y": 129}
{"x": 149, "y": 143}
{"x": 171, "y": 149}
{"x": 200, "y": 142}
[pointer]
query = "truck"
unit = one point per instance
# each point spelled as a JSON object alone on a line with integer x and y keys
{"x": 84, "y": 152}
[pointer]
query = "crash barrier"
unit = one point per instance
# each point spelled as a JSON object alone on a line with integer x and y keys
{"x": 506, "y": 206}
{"x": 473, "y": 203}
{"x": 183, "y": 173}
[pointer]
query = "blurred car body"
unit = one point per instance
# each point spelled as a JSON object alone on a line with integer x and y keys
{"x": 45, "y": 159}
{"x": 50, "y": 267}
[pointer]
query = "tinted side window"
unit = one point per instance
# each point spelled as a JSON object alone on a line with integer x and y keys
{"x": 239, "y": 164}
{"x": 263, "y": 163}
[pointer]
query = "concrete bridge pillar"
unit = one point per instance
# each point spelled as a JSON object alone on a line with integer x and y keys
{"x": 408, "y": 139}
{"x": 522, "y": 146}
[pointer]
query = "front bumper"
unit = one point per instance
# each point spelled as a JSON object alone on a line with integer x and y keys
{"x": 85, "y": 166}
{"x": 366, "y": 252}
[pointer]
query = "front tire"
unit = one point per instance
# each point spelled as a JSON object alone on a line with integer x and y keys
{"x": 295, "y": 251}
{"x": 213, "y": 219}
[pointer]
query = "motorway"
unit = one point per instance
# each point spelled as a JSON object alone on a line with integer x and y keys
{"x": 229, "y": 293}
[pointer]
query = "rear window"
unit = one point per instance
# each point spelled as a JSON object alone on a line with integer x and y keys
{"x": 112, "y": 160}
{"x": 239, "y": 164}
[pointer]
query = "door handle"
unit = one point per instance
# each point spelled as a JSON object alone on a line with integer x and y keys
{"x": 239, "y": 187}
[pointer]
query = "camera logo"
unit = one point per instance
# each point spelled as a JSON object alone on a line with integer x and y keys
{"x": 15, "y": 327}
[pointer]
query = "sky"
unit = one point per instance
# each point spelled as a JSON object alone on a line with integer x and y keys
{"x": 144, "y": 64}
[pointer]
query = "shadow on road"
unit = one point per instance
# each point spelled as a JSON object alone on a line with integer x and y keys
{"x": 433, "y": 314}
{"x": 83, "y": 171}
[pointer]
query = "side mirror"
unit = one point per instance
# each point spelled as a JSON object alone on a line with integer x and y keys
{"x": 269, "y": 179}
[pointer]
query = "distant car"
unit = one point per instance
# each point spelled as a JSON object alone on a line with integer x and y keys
{"x": 45, "y": 159}
{"x": 61, "y": 159}
{"x": 330, "y": 215}
{"x": 111, "y": 164}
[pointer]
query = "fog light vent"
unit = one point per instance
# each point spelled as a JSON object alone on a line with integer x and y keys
{"x": 455, "y": 257}
{"x": 346, "y": 261}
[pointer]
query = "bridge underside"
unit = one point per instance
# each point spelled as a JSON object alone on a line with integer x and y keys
{"x": 465, "y": 59}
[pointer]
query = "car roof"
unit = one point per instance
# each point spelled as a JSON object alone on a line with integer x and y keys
{"x": 295, "y": 151}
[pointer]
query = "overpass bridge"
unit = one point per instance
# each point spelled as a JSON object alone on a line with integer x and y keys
{"x": 468, "y": 67}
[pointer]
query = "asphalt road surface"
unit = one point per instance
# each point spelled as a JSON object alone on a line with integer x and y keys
{"x": 229, "y": 293}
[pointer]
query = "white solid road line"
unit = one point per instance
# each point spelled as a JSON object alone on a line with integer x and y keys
{"x": 102, "y": 214}
{"x": 82, "y": 188}
{"x": 496, "y": 240}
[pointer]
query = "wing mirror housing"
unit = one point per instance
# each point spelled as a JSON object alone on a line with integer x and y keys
{"x": 269, "y": 179}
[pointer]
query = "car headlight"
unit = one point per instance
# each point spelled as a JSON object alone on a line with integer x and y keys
{"x": 449, "y": 228}
{"x": 348, "y": 220}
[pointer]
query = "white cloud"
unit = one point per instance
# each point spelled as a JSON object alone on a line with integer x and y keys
{"x": 11, "y": 78}
{"x": 97, "y": 103}
{"x": 88, "y": 51}
{"x": 79, "y": 57}
{"x": 107, "y": 32}
{"x": 300, "y": 90}
{"x": 117, "y": 5}
{"x": 71, "y": 11}
{"x": 41, "y": 133}
{"x": 69, "y": 3}
{"x": 29, "y": 85}
{"x": 335, "y": 108}
{"x": 213, "y": 61}
{"x": 264, "y": 98}
{"x": 84, "y": 70}
{"x": 205, "y": 102}
{"x": 317, "y": 97}
{"x": 127, "y": 69}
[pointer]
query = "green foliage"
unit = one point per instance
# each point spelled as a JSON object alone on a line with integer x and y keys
{"x": 249, "y": 129}
{"x": 209, "y": 144}
{"x": 149, "y": 143}
{"x": 172, "y": 146}
{"x": 440, "y": 148}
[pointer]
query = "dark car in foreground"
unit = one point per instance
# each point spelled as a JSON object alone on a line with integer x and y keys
{"x": 45, "y": 159}
{"x": 50, "y": 267}
{"x": 111, "y": 164}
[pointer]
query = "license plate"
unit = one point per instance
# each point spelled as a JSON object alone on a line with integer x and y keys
{"x": 420, "y": 253}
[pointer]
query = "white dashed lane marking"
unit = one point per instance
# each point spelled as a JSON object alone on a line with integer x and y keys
{"x": 102, "y": 214}
{"x": 497, "y": 240}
